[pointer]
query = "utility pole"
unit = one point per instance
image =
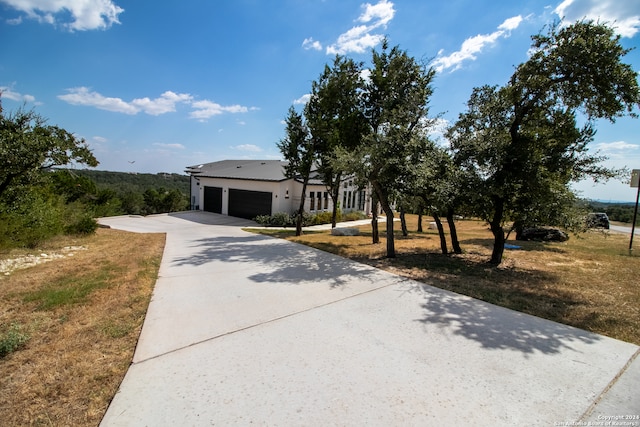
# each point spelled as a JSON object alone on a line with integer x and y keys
{"x": 635, "y": 182}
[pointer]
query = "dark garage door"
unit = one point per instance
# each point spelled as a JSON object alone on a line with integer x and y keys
{"x": 249, "y": 204}
{"x": 213, "y": 199}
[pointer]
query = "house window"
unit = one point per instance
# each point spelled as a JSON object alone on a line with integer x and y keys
{"x": 361, "y": 200}
{"x": 319, "y": 197}
{"x": 348, "y": 204}
{"x": 353, "y": 200}
{"x": 344, "y": 200}
{"x": 312, "y": 201}
{"x": 326, "y": 200}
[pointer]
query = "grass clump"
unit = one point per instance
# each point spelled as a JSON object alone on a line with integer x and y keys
{"x": 71, "y": 290}
{"x": 12, "y": 339}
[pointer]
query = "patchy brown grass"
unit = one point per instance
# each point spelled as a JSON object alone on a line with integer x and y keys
{"x": 590, "y": 282}
{"x": 83, "y": 315}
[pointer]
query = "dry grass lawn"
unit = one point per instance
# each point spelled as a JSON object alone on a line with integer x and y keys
{"x": 591, "y": 281}
{"x": 83, "y": 314}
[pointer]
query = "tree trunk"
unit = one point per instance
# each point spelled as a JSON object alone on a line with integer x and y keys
{"x": 419, "y": 220}
{"x": 454, "y": 233}
{"x": 391, "y": 248}
{"x": 301, "y": 208}
{"x": 403, "y": 222}
{"x": 498, "y": 233}
{"x": 375, "y": 234}
{"x": 519, "y": 227}
{"x": 335, "y": 195}
{"x": 443, "y": 239}
{"x": 386, "y": 207}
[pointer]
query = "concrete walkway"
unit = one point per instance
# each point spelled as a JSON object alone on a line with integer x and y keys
{"x": 245, "y": 329}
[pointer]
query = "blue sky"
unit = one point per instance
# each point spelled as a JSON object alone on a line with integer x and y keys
{"x": 158, "y": 86}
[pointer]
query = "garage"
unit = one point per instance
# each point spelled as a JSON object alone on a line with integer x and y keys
{"x": 213, "y": 199}
{"x": 249, "y": 204}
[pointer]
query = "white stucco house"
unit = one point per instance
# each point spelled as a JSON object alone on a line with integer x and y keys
{"x": 248, "y": 188}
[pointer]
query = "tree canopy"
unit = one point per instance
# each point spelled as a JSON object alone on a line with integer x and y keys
{"x": 522, "y": 142}
{"x": 335, "y": 119}
{"x": 298, "y": 150}
{"x": 29, "y": 146}
{"x": 395, "y": 105}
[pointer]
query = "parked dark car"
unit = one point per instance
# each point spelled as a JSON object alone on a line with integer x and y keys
{"x": 598, "y": 220}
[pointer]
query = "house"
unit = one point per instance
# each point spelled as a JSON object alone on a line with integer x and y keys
{"x": 248, "y": 188}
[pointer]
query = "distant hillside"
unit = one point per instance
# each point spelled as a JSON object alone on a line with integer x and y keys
{"x": 136, "y": 182}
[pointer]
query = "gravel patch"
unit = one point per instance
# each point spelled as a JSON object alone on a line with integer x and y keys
{"x": 7, "y": 266}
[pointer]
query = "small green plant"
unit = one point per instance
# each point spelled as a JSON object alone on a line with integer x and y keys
{"x": 12, "y": 339}
{"x": 83, "y": 226}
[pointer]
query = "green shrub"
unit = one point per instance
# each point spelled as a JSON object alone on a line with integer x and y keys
{"x": 321, "y": 218}
{"x": 354, "y": 216}
{"x": 12, "y": 339}
{"x": 83, "y": 226}
{"x": 30, "y": 219}
{"x": 263, "y": 220}
{"x": 281, "y": 219}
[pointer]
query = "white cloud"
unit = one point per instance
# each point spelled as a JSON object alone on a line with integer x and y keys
{"x": 302, "y": 100}
{"x": 85, "y": 14}
{"x": 511, "y": 23}
{"x": 616, "y": 146}
{"x": 82, "y": 96}
{"x": 310, "y": 43}
{"x": 474, "y": 45}
{"x": 165, "y": 103}
{"x": 248, "y": 147}
{"x": 360, "y": 38}
{"x": 383, "y": 12}
{"x": 171, "y": 146}
{"x": 99, "y": 139}
{"x": 624, "y": 16}
{"x": 205, "y": 109}
{"x": 9, "y": 93}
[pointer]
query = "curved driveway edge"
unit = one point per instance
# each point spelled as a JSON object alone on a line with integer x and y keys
{"x": 247, "y": 329}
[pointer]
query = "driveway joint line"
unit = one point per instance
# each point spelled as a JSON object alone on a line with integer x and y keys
{"x": 395, "y": 283}
{"x": 609, "y": 386}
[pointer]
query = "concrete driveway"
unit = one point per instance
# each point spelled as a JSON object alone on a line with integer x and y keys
{"x": 245, "y": 329}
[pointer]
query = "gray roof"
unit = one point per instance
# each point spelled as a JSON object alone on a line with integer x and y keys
{"x": 258, "y": 170}
{"x": 255, "y": 170}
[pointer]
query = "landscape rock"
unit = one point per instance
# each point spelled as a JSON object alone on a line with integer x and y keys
{"x": 544, "y": 234}
{"x": 345, "y": 231}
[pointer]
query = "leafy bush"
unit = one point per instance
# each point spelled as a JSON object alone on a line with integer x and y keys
{"x": 323, "y": 218}
{"x": 278, "y": 219}
{"x": 282, "y": 219}
{"x": 83, "y": 226}
{"x": 30, "y": 219}
{"x": 354, "y": 216}
{"x": 12, "y": 339}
